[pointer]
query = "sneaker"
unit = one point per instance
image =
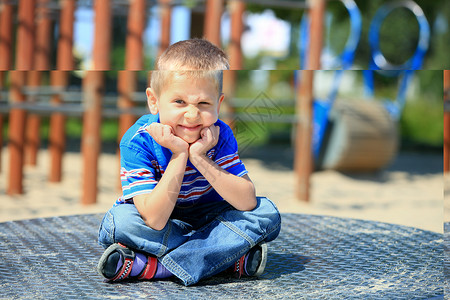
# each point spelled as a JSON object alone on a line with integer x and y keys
{"x": 117, "y": 262}
{"x": 253, "y": 262}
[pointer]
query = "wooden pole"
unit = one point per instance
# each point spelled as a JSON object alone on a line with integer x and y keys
{"x": 64, "y": 58}
{"x": 213, "y": 15}
{"x": 91, "y": 144}
{"x": 127, "y": 79}
{"x": 134, "y": 55}
{"x": 25, "y": 36}
{"x": 33, "y": 122}
{"x": 6, "y": 41}
{"x": 316, "y": 12}
{"x": 16, "y": 139}
{"x": 93, "y": 85}
{"x": 17, "y": 116}
{"x": 59, "y": 79}
{"x": 165, "y": 14}
{"x": 237, "y": 9}
{"x": 303, "y": 161}
{"x": 446, "y": 121}
{"x": 57, "y": 135}
{"x": 6, "y": 28}
{"x": 102, "y": 35}
{"x": 43, "y": 48}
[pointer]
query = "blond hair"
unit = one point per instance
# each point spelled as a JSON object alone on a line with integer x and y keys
{"x": 195, "y": 58}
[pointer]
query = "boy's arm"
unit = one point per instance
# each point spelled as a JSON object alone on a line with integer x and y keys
{"x": 238, "y": 191}
{"x": 156, "y": 207}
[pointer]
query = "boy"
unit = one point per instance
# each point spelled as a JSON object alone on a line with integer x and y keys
{"x": 188, "y": 206}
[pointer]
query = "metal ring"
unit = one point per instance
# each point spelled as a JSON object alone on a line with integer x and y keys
{"x": 414, "y": 63}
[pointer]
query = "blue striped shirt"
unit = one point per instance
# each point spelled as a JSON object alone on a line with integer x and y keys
{"x": 143, "y": 162}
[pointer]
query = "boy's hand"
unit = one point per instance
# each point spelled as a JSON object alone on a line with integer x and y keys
{"x": 163, "y": 135}
{"x": 209, "y": 137}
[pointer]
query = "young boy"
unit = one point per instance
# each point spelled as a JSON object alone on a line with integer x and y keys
{"x": 188, "y": 206}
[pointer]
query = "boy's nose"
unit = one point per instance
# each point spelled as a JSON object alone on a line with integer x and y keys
{"x": 191, "y": 113}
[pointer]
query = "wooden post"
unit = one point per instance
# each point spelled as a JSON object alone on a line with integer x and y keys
{"x": 57, "y": 136}
{"x": 93, "y": 85}
{"x": 102, "y": 35}
{"x": 16, "y": 139}
{"x": 303, "y": 161}
{"x": 33, "y": 122}
{"x": 6, "y": 41}
{"x": 59, "y": 79}
{"x": 6, "y": 26}
{"x": 91, "y": 143}
{"x": 64, "y": 58}
{"x": 127, "y": 79}
{"x": 41, "y": 61}
{"x": 237, "y": 9}
{"x": 213, "y": 15}
{"x": 134, "y": 54}
{"x": 17, "y": 116}
{"x": 165, "y": 14}
{"x": 316, "y": 12}
{"x": 25, "y": 36}
{"x": 446, "y": 121}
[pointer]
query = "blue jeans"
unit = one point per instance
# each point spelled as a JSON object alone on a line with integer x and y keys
{"x": 197, "y": 242}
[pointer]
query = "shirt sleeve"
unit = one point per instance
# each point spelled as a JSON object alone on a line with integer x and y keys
{"x": 227, "y": 156}
{"x": 138, "y": 172}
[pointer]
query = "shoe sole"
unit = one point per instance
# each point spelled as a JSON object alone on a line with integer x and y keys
{"x": 262, "y": 264}
{"x": 104, "y": 257}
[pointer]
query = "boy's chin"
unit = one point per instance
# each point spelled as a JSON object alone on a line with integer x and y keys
{"x": 190, "y": 140}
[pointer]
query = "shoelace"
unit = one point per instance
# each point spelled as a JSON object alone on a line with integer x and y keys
{"x": 239, "y": 266}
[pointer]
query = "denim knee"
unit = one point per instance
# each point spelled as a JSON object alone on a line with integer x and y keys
{"x": 131, "y": 230}
{"x": 269, "y": 218}
{"x": 260, "y": 224}
{"x": 106, "y": 231}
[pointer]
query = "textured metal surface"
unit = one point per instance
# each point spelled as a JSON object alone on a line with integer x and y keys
{"x": 314, "y": 257}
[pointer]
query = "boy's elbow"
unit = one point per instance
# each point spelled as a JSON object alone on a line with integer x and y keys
{"x": 249, "y": 205}
{"x": 154, "y": 224}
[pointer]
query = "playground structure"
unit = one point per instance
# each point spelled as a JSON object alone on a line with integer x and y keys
{"x": 363, "y": 135}
{"x": 32, "y": 57}
{"x": 24, "y": 122}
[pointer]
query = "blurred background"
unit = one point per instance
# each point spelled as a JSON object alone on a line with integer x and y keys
{"x": 271, "y": 34}
{"x": 377, "y": 136}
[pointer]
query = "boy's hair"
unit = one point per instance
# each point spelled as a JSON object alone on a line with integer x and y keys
{"x": 195, "y": 58}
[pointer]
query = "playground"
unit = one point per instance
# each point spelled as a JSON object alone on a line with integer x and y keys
{"x": 408, "y": 192}
{"x": 347, "y": 142}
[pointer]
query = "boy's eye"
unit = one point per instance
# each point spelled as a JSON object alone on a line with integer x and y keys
{"x": 179, "y": 101}
{"x": 204, "y": 103}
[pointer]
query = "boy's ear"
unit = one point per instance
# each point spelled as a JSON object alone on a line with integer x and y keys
{"x": 221, "y": 97}
{"x": 152, "y": 101}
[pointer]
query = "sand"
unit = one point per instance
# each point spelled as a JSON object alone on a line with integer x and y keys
{"x": 407, "y": 192}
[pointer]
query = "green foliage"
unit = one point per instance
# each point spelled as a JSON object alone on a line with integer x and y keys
{"x": 421, "y": 123}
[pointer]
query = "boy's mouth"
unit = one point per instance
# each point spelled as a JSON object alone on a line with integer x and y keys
{"x": 190, "y": 127}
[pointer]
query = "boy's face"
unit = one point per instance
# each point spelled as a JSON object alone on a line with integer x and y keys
{"x": 187, "y": 105}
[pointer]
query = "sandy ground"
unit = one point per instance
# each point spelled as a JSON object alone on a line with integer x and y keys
{"x": 408, "y": 192}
